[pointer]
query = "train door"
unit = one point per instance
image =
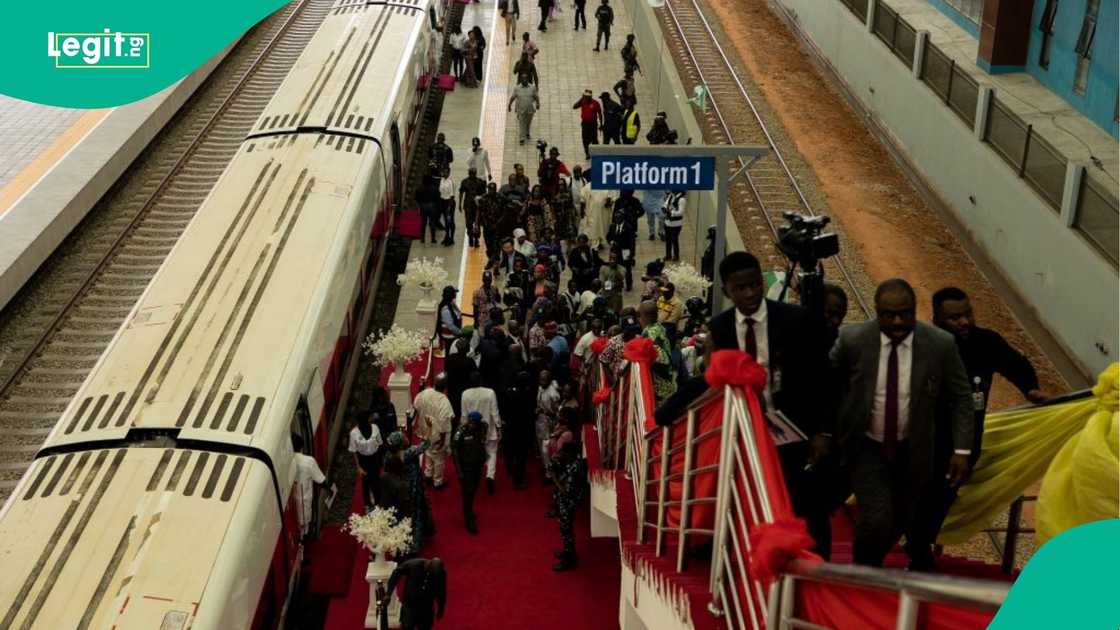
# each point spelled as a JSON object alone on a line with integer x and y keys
{"x": 398, "y": 166}
{"x": 303, "y": 427}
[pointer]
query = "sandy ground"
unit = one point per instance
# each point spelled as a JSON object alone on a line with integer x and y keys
{"x": 894, "y": 231}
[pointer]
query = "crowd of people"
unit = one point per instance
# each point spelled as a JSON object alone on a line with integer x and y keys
{"x": 890, "y": 409}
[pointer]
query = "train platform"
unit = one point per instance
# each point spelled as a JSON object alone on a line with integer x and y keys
{"x": 56, "y": 163}
{"x": 567, "y": 65}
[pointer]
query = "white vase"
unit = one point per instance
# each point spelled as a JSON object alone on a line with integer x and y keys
{"x": 379, "y": 570}
{"x": 398, "y": 368}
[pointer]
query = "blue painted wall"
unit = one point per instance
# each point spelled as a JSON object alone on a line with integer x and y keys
{"x": 957, "y": 17}
{"x": 1099, "y": 101}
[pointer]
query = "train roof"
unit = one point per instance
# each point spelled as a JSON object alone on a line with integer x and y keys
{"x": 121, "y": 537}
{"x": 205, "y": 350}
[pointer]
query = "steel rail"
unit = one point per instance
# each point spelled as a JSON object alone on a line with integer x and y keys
{"x": 57, "y": 321}
{"x": 776, "y": 152}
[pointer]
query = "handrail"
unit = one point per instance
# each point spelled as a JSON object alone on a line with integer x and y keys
{"x": 942, "y": 589}
{"x": 742, "y": 503}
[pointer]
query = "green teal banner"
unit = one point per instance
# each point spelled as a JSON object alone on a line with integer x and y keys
{"x": 1070, "y": 582}
{"x": 102, "y": 54}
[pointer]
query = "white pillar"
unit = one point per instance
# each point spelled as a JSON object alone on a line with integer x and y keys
{"x": 379, "y": 571}
{"x": 919, "y": 53}
{"x": 983, "y": 98}
{"x": 1075, "y": 170}
{"x": 400, "y": 394}
{"x": 871, "y": 15}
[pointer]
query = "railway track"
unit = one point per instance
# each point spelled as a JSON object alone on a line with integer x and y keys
{"x": 53, "y": 333}
{"x": 770, "y": 186}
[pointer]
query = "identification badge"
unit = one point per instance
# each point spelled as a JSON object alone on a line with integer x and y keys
{"x": 978, "y": 401}
{"x": 626, "y": 254}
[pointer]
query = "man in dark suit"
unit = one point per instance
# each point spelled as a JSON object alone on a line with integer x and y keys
{"x": 900, "y": 382}
{"x": 790, "y": 343}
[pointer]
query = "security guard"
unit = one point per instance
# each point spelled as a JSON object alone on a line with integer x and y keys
{"x": 469, "y": 450}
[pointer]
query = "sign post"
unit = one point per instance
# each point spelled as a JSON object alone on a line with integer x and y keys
{"x": 676, "y": 167}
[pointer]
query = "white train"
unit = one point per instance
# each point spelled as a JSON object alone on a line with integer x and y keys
{"x": 164, "y": 497}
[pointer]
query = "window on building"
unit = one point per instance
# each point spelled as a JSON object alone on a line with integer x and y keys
{"x": 1046, "y": 25}
{"x": 971, "y": 9}
{"x": 1084, "y": 46}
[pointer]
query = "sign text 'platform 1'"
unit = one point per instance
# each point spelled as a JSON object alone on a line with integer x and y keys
{"x": 652, "y": 172}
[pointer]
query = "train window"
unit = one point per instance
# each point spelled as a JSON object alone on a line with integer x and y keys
{"x": 301, "y": 425}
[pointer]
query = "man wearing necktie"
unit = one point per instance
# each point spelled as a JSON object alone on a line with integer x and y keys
{"x": 899, "y": 382}
{"x": 790, "y": 342}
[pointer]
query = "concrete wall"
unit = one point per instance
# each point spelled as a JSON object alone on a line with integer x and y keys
{"x": 1099, "y": 101}
{"x": 1072, "y": 288}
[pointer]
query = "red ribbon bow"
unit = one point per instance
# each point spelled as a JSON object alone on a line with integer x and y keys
{"x": 775, "y": 544}
{"x": 640, "y": 350}
{"x": 601, "y": 395}
{"x": 599, "y": 344}
{"x": 735, "y": 367}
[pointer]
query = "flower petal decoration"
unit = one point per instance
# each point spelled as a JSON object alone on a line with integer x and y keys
{"x": 735, "y": 367}
{"x": 640, "y": 350}
{"x": 600, "y": 344}
{"x": 775, "y": 544}
{"x": 601, "y": 395}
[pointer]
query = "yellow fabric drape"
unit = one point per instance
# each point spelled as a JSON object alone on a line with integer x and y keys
{"x": 1019, "y": 446}
{"x": 1083, "y": 482}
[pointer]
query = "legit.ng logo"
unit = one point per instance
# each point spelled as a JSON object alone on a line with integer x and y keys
{"x": 100, "y": 50}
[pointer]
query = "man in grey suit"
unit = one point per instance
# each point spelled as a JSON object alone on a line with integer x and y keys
{"x": 901, "y": 382}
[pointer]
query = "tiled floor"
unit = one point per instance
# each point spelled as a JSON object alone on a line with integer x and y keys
{"x": 26, "y": 129}
{"x": 567, "y": 65}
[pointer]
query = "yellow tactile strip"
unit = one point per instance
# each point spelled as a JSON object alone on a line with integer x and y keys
{"x": 26, "y": 179}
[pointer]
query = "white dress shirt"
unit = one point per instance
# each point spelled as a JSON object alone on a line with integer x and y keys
{"x": 307, "y": 475}
{"x": 362, "y": 445}
{"x": 583, "y": 346}
{"x": 878, "y": 407}
{"x": 484, "y": 401}
{"x": 762, "y": 343}
{"x": 434, "y": 412}
{"x": 480, "y": 161}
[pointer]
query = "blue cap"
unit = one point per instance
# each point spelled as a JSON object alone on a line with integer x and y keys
{"x": 474, "y": 416}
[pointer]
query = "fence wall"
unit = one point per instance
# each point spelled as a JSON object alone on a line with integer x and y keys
{"x": 1060, "y": 272}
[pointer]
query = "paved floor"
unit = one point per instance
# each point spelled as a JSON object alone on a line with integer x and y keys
{"x": 33, "y": 138}
{"x": 567, "y": 65}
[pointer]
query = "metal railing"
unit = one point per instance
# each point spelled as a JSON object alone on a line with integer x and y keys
{"x": 1098, "y": 217}
{"x": 913, "y": 589}
{"x": 666, "y": 456}
{"x": 1035, "y": 160}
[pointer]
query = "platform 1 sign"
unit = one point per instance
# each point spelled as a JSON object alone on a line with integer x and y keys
{"x": 652, "y": 172}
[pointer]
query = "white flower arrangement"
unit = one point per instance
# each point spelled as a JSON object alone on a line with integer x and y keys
{"x": 688, "y": 281}
{"x": 395, "y": 346}
{"x": 423, "y": 273}
{"x": 381, "y": 531}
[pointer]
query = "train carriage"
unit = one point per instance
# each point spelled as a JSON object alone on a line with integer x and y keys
{"x": 164, "y": 496}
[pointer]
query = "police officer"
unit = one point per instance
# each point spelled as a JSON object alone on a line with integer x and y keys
{"x": 469, "y": 450}
{"x": 570, "y": 475}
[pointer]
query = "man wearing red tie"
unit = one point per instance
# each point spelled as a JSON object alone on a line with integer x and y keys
{"x": 790, "y": 342}
{"x": 900, "y": 382}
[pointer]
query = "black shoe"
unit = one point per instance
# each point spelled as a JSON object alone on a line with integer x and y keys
{"x": 472, "y": 527}
{"x": 652, "y": 237}
{"x": 596, "y": 49}
{"x": 489, "y": 486}
{"x": 565, "y": 564}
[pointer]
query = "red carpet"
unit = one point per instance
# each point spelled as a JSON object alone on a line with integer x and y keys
{"x": 332, "y": 561}
{"x": 408, "y": 223}
{"x": 502, "y": 578}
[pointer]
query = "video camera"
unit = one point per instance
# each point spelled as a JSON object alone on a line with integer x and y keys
{"x": 802, "y": 241}
{"x": 542, "y": 146}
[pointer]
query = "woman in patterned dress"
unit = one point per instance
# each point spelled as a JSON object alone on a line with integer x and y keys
{"x": 566, "y": 217}
{"x": 535, "y": 213}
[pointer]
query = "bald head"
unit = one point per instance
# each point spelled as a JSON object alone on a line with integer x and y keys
{"x": 647, "y": 312}
{"x": 440, "y": 382}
